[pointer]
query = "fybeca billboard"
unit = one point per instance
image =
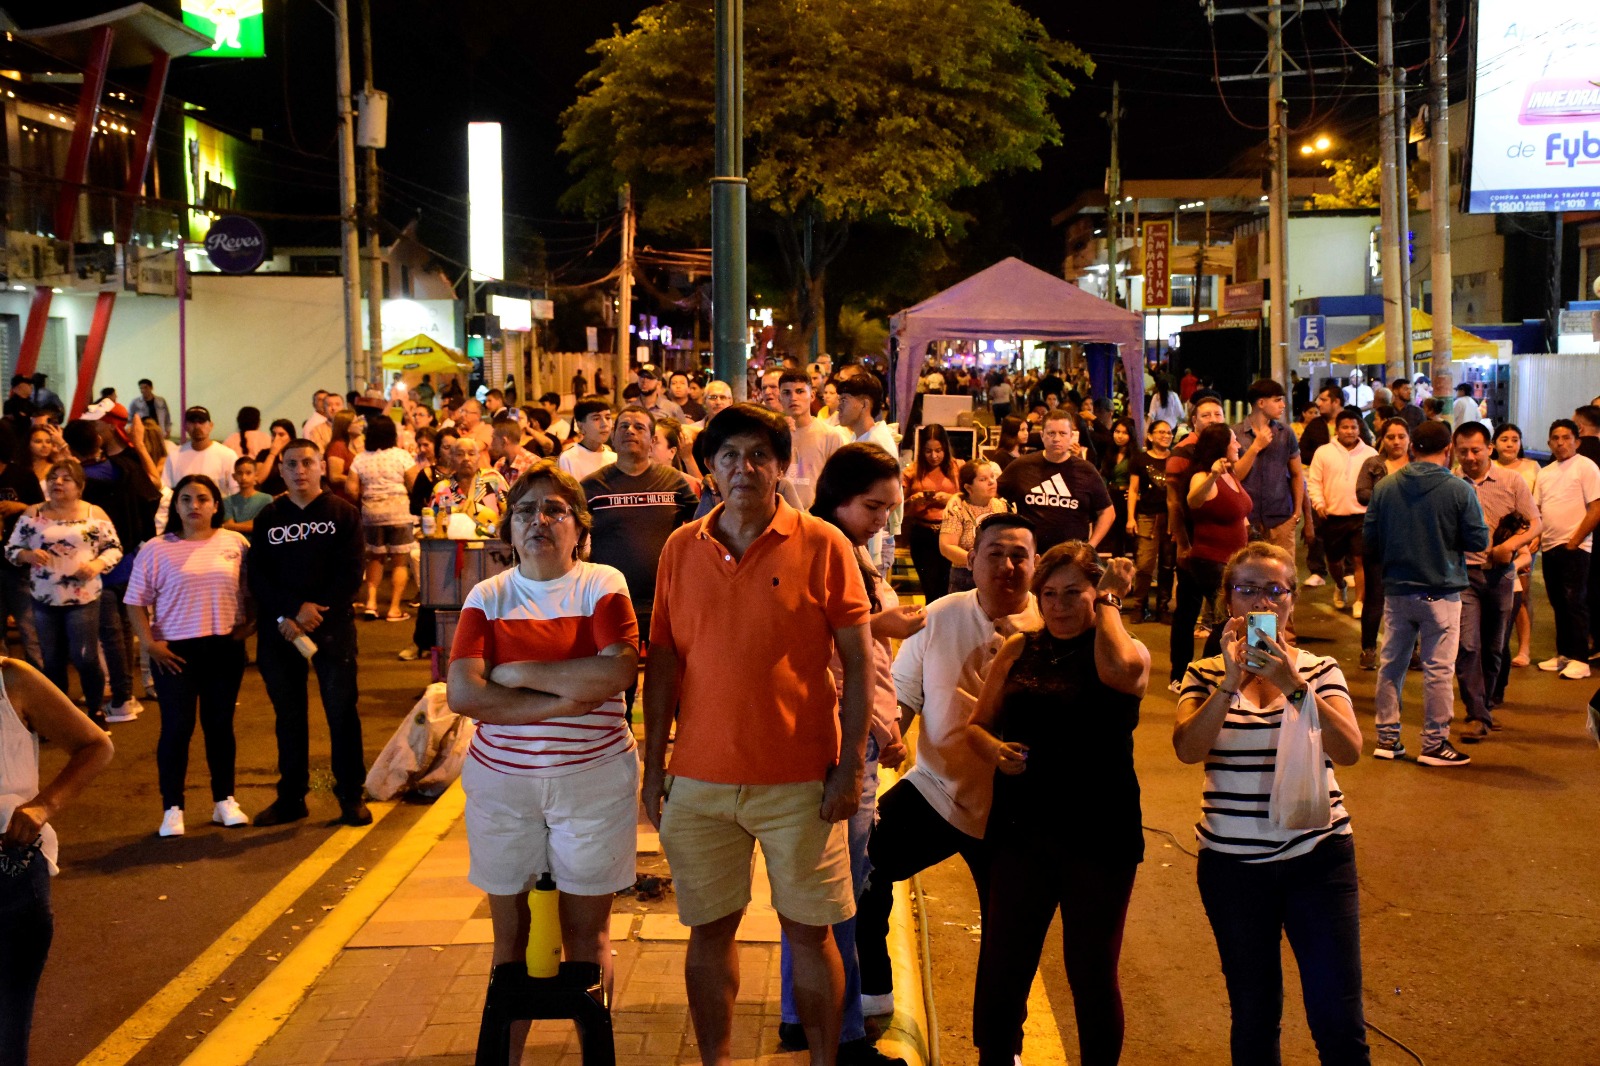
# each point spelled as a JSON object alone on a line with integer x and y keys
{"x": 1536, "y": 107}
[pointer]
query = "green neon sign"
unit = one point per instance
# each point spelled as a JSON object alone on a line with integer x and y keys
{"x": 236, "y": 27}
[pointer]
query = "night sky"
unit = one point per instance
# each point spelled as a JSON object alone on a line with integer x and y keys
{"x": 519, "y": 62}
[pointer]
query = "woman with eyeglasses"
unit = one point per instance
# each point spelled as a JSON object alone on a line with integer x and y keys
{"x": 1051, "y": 697}
{"x": 1394, "y": 452}
{"x": 1259, "y": 882}
{"x": 542, "y": 655}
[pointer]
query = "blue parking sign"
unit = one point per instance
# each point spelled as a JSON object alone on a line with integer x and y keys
{"x": 1313, "y": 333}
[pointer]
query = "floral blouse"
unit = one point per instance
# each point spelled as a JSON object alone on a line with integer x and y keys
{"x": 70, "y": 543}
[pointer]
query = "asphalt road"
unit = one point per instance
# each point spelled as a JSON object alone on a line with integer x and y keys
{"x": 133, "y": 909}
{"x": 1479, "y": 884}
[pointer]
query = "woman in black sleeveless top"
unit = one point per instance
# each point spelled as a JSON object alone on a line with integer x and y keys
{"x": 1057, "y": 716}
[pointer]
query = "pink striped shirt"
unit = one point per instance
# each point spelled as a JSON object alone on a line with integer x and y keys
{"x": 195, "y": 587}
{"x": 509, "y": 619}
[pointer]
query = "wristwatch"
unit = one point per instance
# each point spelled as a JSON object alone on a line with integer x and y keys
{"x": 1297, "y": 695}
{"x": 1110, "y": 599}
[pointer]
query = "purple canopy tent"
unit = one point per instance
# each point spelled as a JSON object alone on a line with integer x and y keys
{"x": 1014, "y": 301}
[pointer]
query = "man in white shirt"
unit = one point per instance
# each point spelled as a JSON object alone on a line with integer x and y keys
{"x": 593, "y": 421}
{"x": 322, "y": 432}
{"x": 318, "y": 418}
{"x": 813, "y": 440}
{"x": 560, "y": 428}
{"x": 1465, "y": 409}
{"x": 1331, "y": 484}
{"x": 1568, "y": 497}
{"x": 201, "y": 455}
{"x": 718, "y": 396}
{"x": 941, "y": 807}
{"x": 1358, "y": 393}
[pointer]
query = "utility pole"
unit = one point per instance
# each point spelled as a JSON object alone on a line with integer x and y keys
{"x": 729, "y": 284}
{"x": 1114, "y": 192}
{"x": 1402, "y": 134}
{"x": 1279, "y": 65}
{"x": 1439, "y": 194}
{"x": 1396, "y": 318}
{"x": 374, "y": 257}
{"x": 349, "y": 247}
{"x": 624, "y": 353}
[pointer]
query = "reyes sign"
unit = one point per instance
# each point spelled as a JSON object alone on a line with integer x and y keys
{"x": 1158, "y": 264}
{"x": 236, "y": 245}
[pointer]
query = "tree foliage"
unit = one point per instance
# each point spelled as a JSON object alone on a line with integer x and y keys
{"x": 854, "y": 110}
{"x": 1358, "y": 182}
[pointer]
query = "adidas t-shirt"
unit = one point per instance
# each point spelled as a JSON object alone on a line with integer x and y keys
{"x": 1060, "y": 499}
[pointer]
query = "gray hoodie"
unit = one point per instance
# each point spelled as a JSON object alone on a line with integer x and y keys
{"x": 1421, "y": 523}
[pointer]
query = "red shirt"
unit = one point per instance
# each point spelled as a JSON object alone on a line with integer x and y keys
{"x": 1221, "y": 524}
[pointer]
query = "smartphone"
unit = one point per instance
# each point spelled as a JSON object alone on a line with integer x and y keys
{"x": 1260, "y": 629}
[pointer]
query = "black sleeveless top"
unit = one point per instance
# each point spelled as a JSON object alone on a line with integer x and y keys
{"x": 1079, "y": 794}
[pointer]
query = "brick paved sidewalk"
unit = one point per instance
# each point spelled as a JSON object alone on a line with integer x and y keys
{"x": 409, "y": 987}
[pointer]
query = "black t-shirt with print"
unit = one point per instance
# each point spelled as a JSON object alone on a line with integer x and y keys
{"x": 1152, "y": 473}
{"x": 1062, "y": 500}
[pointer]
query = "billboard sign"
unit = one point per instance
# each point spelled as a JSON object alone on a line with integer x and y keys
{"x": 235, "y": 245}
{"x": 1536, "y": 107}
{"x": 235, "y": 27}
{"x": 1157, "y": 264}
{"x": 1313, "y": 333}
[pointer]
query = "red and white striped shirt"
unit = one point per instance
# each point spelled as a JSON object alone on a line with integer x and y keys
{"x": 511, "y": 619}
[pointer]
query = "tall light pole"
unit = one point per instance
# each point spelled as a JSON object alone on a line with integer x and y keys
{"x": 729, "y": 285}
{"x": 374, "y": 255}
{"x": 1114, "y": 193}
{"x": 349, "y": 249}
{"x": 1439, "y": 195}
{"x": 1395, "y": 317}
{"x": 1278, "y": 193}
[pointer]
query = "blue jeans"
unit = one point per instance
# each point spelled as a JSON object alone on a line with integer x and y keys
{"x": 854, "y": 1025}
{"x": 1436, "y": 616}
{"x": 72, "y": 633}
{"x": 1486, "y": 612}
{"x": 29, "y": 926}
{"x": 1312, "y": 899}
{"x": 17, "y": 601}
{"x": 116, "y": 640}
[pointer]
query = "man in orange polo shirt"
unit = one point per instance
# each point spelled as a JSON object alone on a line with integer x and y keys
{"x": 750, "y": 601}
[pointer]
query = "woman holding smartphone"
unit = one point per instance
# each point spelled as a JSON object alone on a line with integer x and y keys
{"x": 1259, "y": 882}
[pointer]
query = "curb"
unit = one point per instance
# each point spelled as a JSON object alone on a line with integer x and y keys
{"x": 908, "y": 1033}
{"x": 264, "y": 1011}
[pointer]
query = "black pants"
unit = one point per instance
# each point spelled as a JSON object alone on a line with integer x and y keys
{"x": 933, "y": 569}
{"x": 1312, "y": 899}
{"x": 1566, "y": 580}
{"x": 213, "y": 667}
{"x": 28, "y": 926}
{"x": 1198, "y": 581}
{"x": 910, "y": 837}
{"x": 284, "y": 671}
{"x": 1372, "y": 608}
{"x": 1027, "y": 885}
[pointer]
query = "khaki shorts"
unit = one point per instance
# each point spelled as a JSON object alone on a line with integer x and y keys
{"x": 708, "y": 832}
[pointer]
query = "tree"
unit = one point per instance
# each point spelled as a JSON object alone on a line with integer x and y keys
{"x": 1358, "y": 181}
{"x": 855, "y": 110}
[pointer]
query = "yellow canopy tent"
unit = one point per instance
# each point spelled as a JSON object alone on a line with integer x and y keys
{"x": 423, "y": 354}
{"x": 1368, "y": 349}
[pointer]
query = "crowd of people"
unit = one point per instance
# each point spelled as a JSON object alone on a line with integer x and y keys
{"x": 684, "y": 532}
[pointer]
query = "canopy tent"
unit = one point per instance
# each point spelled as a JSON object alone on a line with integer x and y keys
{"x": 422, "y": 354}
{"x": 1368, "y": 349}
{"x": 1014, "y": 301}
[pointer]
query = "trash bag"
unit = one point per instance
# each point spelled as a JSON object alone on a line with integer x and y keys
{"x": 1299, "y": 777}
{"x": 426, "y": 751}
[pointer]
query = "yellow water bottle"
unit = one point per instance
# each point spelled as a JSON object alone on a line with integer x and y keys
{"x": 544, "y": 928}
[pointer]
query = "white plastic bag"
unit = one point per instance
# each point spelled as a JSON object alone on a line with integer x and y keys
{"x": 1299, "y": 781}
{"x": 426, "y": 751}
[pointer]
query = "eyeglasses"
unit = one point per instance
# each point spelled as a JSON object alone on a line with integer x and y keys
{"x": 1271, "y": 592}
{"x": 553, "y": 510}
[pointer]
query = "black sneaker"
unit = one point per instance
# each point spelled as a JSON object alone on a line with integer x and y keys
{"x": 864, "y": 1052}
{"x": 1476, "y": 730}
{"x": 353, "y": 813}
{"x": 1369, "y": 658}
{"x": 280, "y": 813}
{"x": 1390, "y": 749}
{"x": 1443, "y": 755}
{"x": 792, "y": 1037}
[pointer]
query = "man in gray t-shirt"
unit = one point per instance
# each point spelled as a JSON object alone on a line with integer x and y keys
{"x": 814, "y": 440}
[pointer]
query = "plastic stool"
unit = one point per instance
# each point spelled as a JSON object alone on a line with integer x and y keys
{"x": 576, "y": 992}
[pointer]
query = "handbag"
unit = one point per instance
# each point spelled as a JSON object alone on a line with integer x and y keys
{"x": 1299, "y": 781}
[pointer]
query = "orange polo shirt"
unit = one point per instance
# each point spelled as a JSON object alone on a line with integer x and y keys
{"x": 753, "y": 637}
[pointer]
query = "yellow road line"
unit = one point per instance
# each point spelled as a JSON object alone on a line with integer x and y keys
{"x": 1041, "y": 1036}
{"x": 264, "y": 1011}
{"x": 148, "y": 1021}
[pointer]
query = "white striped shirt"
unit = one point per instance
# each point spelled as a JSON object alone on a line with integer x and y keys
{"x": 509, "y": 618}
{"x": 1239, "y": 767}
{"x": 195, "y": 588}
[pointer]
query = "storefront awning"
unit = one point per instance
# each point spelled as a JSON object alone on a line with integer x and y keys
{"x": 1368, "y": 349}
{"x": 423, "y": 354}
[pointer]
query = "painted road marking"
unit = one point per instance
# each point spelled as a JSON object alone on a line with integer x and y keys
{"x": 263, "y": 1012}
{"x": 158, "y": 1012}
{"x": 1041, "y": 1036}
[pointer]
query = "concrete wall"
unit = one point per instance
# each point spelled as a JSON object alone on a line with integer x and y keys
{"x": 1328, "y": 255}
{"x": 264, "y": 341}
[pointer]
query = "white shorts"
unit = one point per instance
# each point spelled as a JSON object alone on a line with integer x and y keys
{"x": 582, "y": 827}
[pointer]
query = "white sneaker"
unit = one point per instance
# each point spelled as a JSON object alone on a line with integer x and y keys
{"x": 172, "y": 822}
{"x": 877, "y": 1006}
{"x": 1551, "y": 666}
{"x": 1575, "y": 670}
{"x": 1314, "y": 581}
{"x": 1338, "y": 597}
{"x": 1355, "y": 609}
{"x": 227, "y": 812}
{"x": 125, "y": 712}
{"x": 1174, "y": 687}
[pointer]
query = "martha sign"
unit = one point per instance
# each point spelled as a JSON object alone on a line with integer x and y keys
{"x": 236, "y": 245}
